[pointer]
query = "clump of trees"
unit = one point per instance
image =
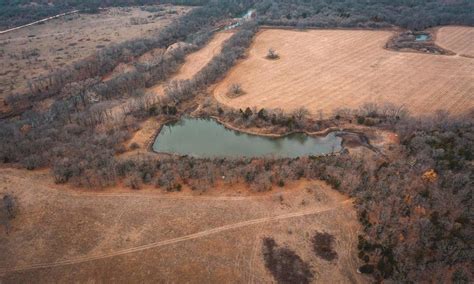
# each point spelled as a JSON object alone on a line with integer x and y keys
{"x": 323, "y": 246}
{"x": 272, "y": 54}
{"x": 407, "y": 40}
{"x": 235, "y": 90}
{"x": 284, "y": 264}
{"x": 274, "y": 120}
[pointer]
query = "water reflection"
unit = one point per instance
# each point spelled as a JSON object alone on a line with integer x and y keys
{"x": 207, "y": 138}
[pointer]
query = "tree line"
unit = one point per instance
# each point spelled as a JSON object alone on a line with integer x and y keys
{"x": 414, "y": 15}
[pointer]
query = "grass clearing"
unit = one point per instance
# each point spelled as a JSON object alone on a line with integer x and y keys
{"x": 64, "y": 234}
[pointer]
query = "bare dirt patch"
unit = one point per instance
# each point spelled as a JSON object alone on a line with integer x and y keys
{"x": 62, "y": 235}
{"x": 331, "y": 69}
{"x": 37, "y": 50}
{"x": 457, "y": 39}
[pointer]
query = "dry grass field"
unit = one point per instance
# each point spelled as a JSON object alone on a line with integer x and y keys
{"x": 65, "y": 235}
{"x": 197, "y": 60}
{"x": 33, "y": 51}
{"x": 457, "y": 39}
{"x": 324, "y": 70}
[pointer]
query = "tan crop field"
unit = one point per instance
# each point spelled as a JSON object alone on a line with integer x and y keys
{"x": 66, "y": 235}
{"x": 37, "y": 50}
{"x": 324, "y": 70}
{"x": 457, "y": 39}
{"x": 195, "y": 61}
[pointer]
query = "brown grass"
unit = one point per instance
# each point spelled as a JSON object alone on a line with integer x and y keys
{"x": 62, "y": 41}
{"x": 197, "y": 60}
{"x": 330, "y": 69}
{"x": 457, "y": 39}
{"x": 64, "y": 235}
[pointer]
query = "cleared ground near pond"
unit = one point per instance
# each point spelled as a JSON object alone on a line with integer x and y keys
{"x": 457, "y": 39}
{"x": 67, "y": 235}
{"x": 330, "y": 69}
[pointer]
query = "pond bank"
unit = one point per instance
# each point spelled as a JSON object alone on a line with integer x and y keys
{"x": 208, "y": 138}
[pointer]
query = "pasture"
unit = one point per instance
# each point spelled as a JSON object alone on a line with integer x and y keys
{"x": 65, "y": 234}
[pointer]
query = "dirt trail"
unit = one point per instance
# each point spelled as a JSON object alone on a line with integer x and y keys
{"x": 172, "y": 241}
{"x": 40, "y": 21}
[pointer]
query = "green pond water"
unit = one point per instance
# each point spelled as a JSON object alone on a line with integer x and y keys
{"x": 206, "y": 138}
{"x": 422, "y": 37}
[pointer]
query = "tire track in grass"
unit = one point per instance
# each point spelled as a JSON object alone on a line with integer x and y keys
{"x": 198, "y": 235}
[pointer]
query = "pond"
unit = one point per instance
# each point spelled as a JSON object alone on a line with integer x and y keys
{"x": 206, "y": 138}
{"x": 422, "y": 37}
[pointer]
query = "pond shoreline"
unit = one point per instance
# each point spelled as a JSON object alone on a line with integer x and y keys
{"x": 341, "y": 132}
{"x": 320, "y": 133}
{"x": 191, "y": 136}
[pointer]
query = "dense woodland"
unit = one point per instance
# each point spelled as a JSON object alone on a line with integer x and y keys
{"x": 415, "y": 203}
{"x": 413, "y": 14}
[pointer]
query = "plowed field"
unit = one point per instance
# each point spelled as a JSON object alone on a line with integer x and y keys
{"x": 330, "y": 69}
{"x": 457, "y": 39}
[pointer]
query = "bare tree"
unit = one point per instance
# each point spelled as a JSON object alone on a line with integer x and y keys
{"x": 272, "y": 54}
{"x": 235, "y": 90}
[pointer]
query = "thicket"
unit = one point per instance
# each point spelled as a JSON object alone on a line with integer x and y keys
{"x": 415, "y": 207}
{"x": 284, "y": 264}
{"x": 323, "y": 246}
{"x": 361, "y": 13}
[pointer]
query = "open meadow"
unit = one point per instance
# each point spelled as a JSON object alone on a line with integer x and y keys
{"x": 326, "y": 70}
{"x": 40, "y": 49}
{"x": 67, "y": 235}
